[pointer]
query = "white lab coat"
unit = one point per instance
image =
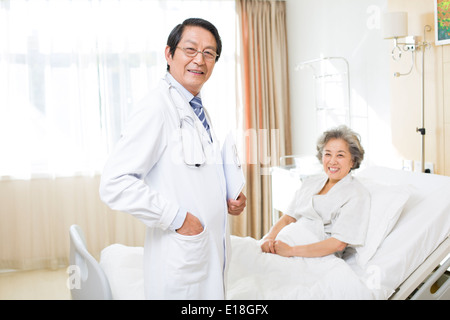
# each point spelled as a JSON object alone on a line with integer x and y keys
{"x": 146, "y": 176}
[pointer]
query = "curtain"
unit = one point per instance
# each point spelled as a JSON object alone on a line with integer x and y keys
{"x": 265, "y": 122}
{"x": 36, "y": 215}
{"x": 70, "y": 73}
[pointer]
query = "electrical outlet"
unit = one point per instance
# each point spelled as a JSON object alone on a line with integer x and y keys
{"x": 417, "y": 166}
{"x": 410, "y": 43}
{"x": 407, "y": 165}
{"x": 429, "y": 167}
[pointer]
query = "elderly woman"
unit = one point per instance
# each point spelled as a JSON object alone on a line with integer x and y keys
{"x": 336, "y": 202}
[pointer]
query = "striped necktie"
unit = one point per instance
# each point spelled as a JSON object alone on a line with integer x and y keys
{"x": 196, "y": 104}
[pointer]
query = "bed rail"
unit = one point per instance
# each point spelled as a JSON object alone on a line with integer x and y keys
{"x": 438, "y": 279}
{"x": 421, "y": 277}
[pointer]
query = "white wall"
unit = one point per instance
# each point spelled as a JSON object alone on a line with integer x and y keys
{"x": 406, "y": 93}
{"x": 351, "y": 29}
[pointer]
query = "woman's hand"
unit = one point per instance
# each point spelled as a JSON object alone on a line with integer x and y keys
{"x": 267, "y": 245}
{"x": 317, "y": 249}
{"x": 282, "y": 249}
{"x": 269, "y": 240}
{"x": 270, "y": 245}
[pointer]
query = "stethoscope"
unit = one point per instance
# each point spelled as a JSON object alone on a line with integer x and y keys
{"x": 191, "y": 138}
{"x": 193, "y": 149}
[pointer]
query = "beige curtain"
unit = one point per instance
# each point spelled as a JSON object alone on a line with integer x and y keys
{"x": 265, "y": 106}
{"x": 35, "y": 216}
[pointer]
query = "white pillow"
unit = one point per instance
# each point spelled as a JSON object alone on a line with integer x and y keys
{"x": 386, "y": 206}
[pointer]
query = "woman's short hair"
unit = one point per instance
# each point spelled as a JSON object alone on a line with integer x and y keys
{"x": 177, "y": 32}
{"x": 352, "y": 138}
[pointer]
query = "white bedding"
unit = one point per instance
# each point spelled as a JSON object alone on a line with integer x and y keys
{"x": 423, "y": 223}
{"x": 422, "y": 226}
{"x": 123, "y": 267}
{"x": 257, "y": 275}
{"x": 406, "y": 234}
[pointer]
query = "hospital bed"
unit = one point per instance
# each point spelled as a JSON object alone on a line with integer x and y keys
{"x": 407, "y": 255}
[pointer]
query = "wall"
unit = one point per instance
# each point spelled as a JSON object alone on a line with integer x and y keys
{"x": 446, "y": 107}
{"x": 406, "y": 92}
{"x": 353, "y": 29}
{"x": 350, "y": 29}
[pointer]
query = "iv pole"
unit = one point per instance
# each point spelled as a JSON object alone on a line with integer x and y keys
{"x": 412, "y": 45}
{"x": 422, "y": 130}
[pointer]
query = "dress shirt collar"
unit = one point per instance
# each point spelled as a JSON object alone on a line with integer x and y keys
{"x": 189, "y": 96}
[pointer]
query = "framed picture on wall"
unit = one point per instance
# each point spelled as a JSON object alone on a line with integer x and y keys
{"x": 442, "y": 21}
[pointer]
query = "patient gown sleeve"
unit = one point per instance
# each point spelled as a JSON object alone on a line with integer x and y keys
{"x": 350, "y": 224}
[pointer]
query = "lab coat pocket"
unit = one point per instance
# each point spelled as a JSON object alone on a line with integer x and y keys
{"x": 193, "y": 151}
{"x": 188, "y": 258}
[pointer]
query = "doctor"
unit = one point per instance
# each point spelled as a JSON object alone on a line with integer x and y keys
{"x": 166, "y": 171}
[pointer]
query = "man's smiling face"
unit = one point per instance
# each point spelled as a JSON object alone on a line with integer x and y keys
{"x": 192, "y": 72}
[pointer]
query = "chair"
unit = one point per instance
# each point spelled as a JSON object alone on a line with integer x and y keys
{"x": 83, "y": 266}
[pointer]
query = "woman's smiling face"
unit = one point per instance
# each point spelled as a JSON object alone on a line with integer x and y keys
{"x": 336, "y": 159}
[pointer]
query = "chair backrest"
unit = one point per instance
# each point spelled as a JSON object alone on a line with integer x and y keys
{"x": 87, "y": 280}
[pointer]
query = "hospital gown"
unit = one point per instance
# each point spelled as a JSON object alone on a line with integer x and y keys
{"x": 342, "y": 213}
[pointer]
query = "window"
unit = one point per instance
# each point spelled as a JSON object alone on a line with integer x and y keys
{"x": 70, "y": 72}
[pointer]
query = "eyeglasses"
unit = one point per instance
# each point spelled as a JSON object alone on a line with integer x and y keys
{"x": 208, "y": 54}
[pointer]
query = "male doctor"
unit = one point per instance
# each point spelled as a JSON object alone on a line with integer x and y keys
{"x": 166, "y": 171}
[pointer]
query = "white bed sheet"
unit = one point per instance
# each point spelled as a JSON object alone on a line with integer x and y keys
{"x": 123, "y": 266}
{"x": 423, "y": 225}
{"x": 254, "y": 275}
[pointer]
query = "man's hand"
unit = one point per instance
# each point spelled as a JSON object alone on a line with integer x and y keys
{"x": 235, "y": 207}
{"x": 191, "y": 226}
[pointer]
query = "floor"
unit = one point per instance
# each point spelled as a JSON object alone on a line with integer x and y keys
{"x": 34, "y": 285}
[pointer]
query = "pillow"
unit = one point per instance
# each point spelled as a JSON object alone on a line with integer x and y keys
{"x": 386, "y": 206}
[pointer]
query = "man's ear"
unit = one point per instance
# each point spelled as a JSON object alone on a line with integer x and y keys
{"x": 168, "y": 55}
